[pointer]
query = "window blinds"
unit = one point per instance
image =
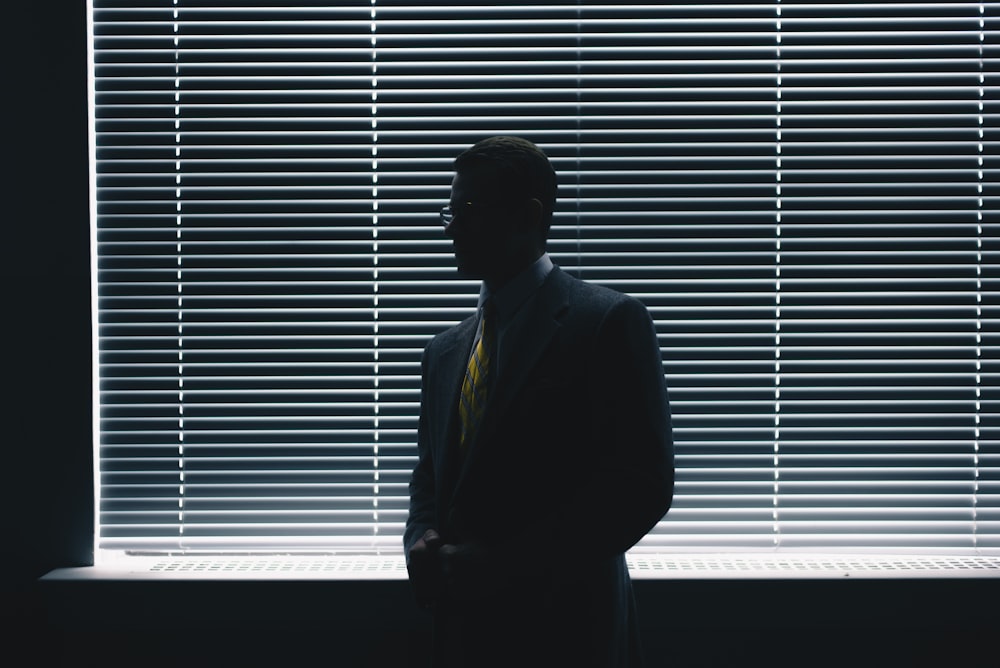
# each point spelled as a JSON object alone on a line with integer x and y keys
{"x": 804, "y": 195}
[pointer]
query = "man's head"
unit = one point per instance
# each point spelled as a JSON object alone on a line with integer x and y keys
{"x": 502, "y": 199}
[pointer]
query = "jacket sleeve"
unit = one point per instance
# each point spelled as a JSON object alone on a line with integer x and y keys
{"x": 634, "y": 466}
{"x": 422, "y": 515}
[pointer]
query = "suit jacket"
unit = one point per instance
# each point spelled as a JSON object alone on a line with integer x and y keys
{"x": 572, "y": 464}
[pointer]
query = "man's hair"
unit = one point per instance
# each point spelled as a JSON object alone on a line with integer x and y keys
{"x": 520, "y": 170}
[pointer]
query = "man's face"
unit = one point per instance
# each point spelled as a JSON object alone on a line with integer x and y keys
{"x": 481, "y": 234}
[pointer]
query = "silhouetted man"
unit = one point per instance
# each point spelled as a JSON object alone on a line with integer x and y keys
{"x": 545, "y": 446}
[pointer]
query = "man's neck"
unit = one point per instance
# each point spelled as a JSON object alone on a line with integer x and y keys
{"x": 508, "y": 298}
{"x": 496, "y": 283}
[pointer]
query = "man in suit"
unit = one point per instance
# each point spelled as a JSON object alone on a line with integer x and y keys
{"x": 544, "y": 443}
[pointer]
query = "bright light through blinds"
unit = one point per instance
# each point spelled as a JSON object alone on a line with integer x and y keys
{"x": 804, "y": 195}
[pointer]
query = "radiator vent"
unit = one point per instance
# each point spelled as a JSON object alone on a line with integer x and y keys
{"x": 641, "y": 566}
{"x": 810, "y": 566}
{"x": 333, "y": 567}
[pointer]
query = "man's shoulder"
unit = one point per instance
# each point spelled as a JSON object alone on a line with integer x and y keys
{"x": 452, "y": 334}
{"x": 580, "y": 292}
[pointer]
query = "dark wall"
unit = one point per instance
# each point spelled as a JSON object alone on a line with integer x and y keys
{"x": 45, "y": 425}
{"x": 46, "y": 307}
{"x": 686, "y": 623}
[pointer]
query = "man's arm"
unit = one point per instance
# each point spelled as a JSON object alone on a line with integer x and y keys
{"x": 635, "y": 467}
{"x": 420, "y": 539}
{"x": 627, "y": 485}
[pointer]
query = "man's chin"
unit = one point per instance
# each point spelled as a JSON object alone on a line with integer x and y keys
{"x": 468, "y": 269}
{"x": 469, "y": 273}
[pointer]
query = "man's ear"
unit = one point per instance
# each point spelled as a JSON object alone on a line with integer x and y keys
{"x": 535, "y": 211}
{"x": 534, "y": 214}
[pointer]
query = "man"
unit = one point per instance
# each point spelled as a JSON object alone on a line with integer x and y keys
{"x": 544, "y": 444}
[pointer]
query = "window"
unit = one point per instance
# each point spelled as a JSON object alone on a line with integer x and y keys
{"x": 804, "y": 195}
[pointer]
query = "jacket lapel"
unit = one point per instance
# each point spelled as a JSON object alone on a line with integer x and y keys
{"x": 543, "y": 322}
{"x": 543, "y": 319}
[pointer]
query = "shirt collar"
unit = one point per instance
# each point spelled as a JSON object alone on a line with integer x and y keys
{"x": 509, "y": 298}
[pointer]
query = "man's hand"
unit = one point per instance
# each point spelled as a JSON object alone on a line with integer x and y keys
{"x": 459, "y": 572}
{"x": 424, "y": 567}
{"x": 470, "y": 571}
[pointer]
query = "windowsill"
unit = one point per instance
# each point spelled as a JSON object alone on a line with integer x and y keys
{"x": 729, "y": 566}
{"x": 690, "y": 606}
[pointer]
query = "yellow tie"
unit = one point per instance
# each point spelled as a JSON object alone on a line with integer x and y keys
{"x": 474, "y": 387}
